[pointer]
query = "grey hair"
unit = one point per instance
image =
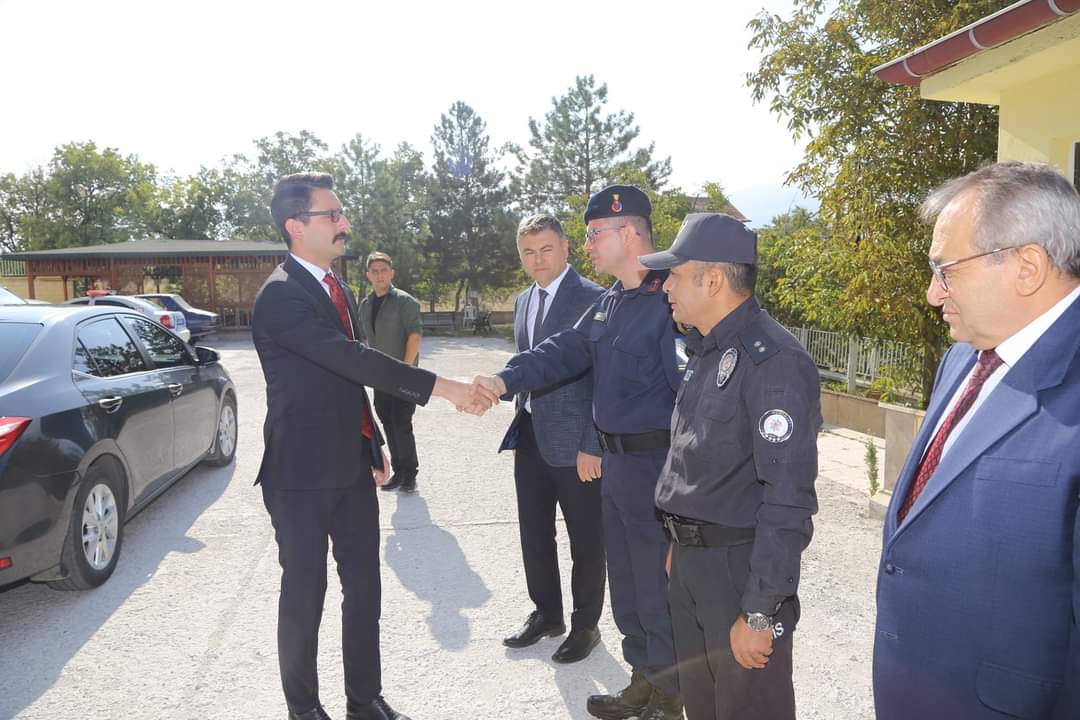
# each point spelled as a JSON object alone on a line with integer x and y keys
{"x": 742, "y": 277}
{"x": 643, "y": 226}
{"x": 539, "y": 223}
{"x": 1018, "y": 203}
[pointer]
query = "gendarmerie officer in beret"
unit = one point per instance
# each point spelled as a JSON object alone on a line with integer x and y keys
{"x": 737, "y": 491}
{"x": 628, "y": 339}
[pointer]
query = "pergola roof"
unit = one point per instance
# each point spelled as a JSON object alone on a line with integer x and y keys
{"x": 158, "y": 247}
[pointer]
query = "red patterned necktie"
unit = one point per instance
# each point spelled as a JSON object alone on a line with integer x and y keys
{"x": 338, "y": 298}
{"x": 989, "y": 361}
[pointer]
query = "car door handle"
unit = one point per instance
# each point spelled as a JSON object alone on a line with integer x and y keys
{"x": 176, "y": 389}
{"x": 111, "y": 404}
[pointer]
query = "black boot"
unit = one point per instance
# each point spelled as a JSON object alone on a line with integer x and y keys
{"x": 663, "y": 706}
{"x": 629, "y": 702}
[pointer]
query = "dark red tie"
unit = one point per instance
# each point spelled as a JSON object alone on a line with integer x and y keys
{"x": 338, "y": 298}
{"x": 989, "y": 361}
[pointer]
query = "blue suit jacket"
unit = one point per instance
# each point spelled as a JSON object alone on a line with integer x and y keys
{"x": 562, "y": 414}
{"x": 979, "y": 589}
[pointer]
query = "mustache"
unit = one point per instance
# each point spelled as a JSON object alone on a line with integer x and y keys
{"x": 343, "y": 237}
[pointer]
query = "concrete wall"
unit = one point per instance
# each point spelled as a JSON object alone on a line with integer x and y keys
{"x": 854, "y": 413}
{"x": 902, "y": 424}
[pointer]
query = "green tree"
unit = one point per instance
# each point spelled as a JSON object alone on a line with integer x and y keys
{"x": 873, "y": 152}
{"x": 86, "y": 197}
{"x": 386, "y": 203}
{"x": 472, "y": 234}
{"x": 192, "y": 208}
{"x": 578, "y": 149}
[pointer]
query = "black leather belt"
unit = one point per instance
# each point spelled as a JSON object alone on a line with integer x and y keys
{"x": 637, "y": 442}
{"x": 700, "y": 534}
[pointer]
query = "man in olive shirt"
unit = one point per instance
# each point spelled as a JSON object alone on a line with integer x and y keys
{"x": 737, "y": 491}
{"x": 391, "y": 322}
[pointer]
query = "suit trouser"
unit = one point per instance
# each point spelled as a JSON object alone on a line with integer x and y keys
{"x": 539, "y": 487}
{"x": 706, "y": 595}
{"x": 304, "y": 521}
{"x": 396, "y": 416}
{"x": 636, "y": 551}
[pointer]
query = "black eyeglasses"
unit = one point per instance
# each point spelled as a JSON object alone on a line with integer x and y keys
{"x": 334, "y": 215}
{"x": 939, "y": 268}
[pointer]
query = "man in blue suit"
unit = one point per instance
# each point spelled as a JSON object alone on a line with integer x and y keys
{"x": 557, "y": 453}
{"x": 979, "y": 582}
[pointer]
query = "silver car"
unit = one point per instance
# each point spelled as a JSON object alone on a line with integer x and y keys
{"x": 170, "y": 319}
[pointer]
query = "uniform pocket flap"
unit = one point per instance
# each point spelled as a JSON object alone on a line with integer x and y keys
{"x": 718, "y": 406}
{"x": 1016, "y": 693}
{"x": 630, "y": 346}
{"x": 1026, "y": 472}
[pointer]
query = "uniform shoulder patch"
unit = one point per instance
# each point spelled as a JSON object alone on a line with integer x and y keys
{"x": 776, "y": 425}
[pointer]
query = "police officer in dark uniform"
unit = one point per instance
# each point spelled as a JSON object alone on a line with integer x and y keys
{"x": 628, "y": 339}
{"x": 737, "y": 490}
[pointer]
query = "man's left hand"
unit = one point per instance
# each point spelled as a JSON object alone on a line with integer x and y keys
{"x": 381, "y": 476}
{"x": 750, "y": 648}
{"x": 588, "y": 467}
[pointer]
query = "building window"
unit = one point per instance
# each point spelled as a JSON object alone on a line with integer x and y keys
{"x": 1076, "y": 165}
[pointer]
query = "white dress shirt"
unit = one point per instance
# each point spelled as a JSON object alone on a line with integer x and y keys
{"x": 1010, "y": 351}
{"x": 532, "y": 305}
{"x": 317, "y": 272}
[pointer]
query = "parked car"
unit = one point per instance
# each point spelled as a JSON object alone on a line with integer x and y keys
{"x": 200, "y": 322}
{"x": 170, "y": 319}
{"x": 101, "y": 410}
{"x": 9, "y": 298}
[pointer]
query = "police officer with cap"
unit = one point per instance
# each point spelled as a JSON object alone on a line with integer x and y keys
{"x": 737, "y": 490}
{"x": 628, "y": 339}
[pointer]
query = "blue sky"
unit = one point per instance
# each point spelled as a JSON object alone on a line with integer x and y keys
{"x": 186, "y": 84}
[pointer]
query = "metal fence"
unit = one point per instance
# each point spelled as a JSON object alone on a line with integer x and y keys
{"x": 859, "y": 361}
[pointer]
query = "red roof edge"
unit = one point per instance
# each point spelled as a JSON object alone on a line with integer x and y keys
{"x": 1007, "y": 24}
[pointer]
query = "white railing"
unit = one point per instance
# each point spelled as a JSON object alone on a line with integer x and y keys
{"x": 857, "y": 360}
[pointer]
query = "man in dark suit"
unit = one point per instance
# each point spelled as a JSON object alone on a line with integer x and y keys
{"x": 979, "y": 583}
{"x": 322, "y": 448}
{"x": 557, "y": 453}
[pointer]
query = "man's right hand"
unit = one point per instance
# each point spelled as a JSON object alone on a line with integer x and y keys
{"x": 489, "y": 387}
{"x": 465, "y": 397}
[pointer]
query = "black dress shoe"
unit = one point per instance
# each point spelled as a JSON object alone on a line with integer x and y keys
{"x": 392, "y": 484}
{"x": 536, "y": 627}
{"x": 577, "y": 645}
{"x": 629, "y": 702}
{"x": 663, "y": 707}
{"x": 316, "y": 713}
{"x": 377, "y": 709}
{"x": 408, "y": 486}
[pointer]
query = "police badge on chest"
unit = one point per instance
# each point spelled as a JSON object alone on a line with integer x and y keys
{"x": 728, "y": 360}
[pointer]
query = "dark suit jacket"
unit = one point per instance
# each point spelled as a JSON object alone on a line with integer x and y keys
{"x": 315, "y": 378}
{"x": 562, "y": 414}
{"x": 979, "y": 588}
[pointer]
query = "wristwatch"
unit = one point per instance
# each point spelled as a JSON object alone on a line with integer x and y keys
{"x": 759, "y": 622}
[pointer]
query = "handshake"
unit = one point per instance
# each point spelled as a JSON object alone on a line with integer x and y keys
{"x": 476, "y": 398}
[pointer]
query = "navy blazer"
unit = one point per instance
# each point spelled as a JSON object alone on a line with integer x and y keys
{"x": 562, "y": 414}
{"x": 979, "y": 589}
{"x": 315, "y": 378}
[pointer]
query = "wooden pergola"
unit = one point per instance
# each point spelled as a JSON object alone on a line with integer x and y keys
{"x": 219, "y": 276}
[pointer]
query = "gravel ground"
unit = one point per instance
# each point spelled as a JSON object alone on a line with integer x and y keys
{"x": 185, "y": 627}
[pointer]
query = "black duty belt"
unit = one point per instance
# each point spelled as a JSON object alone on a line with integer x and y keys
{"x": 698, "y": 534}
{"x": 637, "y": 442}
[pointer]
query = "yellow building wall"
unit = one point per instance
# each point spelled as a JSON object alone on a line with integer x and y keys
{"x": 49, "y": 289}
{"x": 1040, "y": 120}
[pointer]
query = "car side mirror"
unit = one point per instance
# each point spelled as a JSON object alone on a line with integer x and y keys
{"x": 206, "y": 356}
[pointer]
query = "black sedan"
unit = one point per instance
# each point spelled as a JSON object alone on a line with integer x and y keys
{"x": 199, "y": 322}
{"x": 100, "y": 411}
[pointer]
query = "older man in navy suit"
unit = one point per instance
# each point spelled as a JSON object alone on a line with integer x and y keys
{"x": 979, "y": 582}
{"x": 557, "y": 453}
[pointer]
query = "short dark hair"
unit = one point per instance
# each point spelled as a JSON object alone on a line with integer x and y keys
{"x": 292, "y": 196}
{"x": 539, "y": 223}
{"x": 742, "y": 277}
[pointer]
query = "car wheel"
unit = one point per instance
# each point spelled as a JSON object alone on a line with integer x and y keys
{"x": 96, "y": 532}
{"x": 224, "y": 449}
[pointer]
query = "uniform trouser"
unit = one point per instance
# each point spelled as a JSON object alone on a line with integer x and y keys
{"x": 396, "y": 416}
{"x": 539, "y": 487}
{"x": 636, "y": 551}
{"x": 304, "y": 521}
{"x": 705, "y": 592}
